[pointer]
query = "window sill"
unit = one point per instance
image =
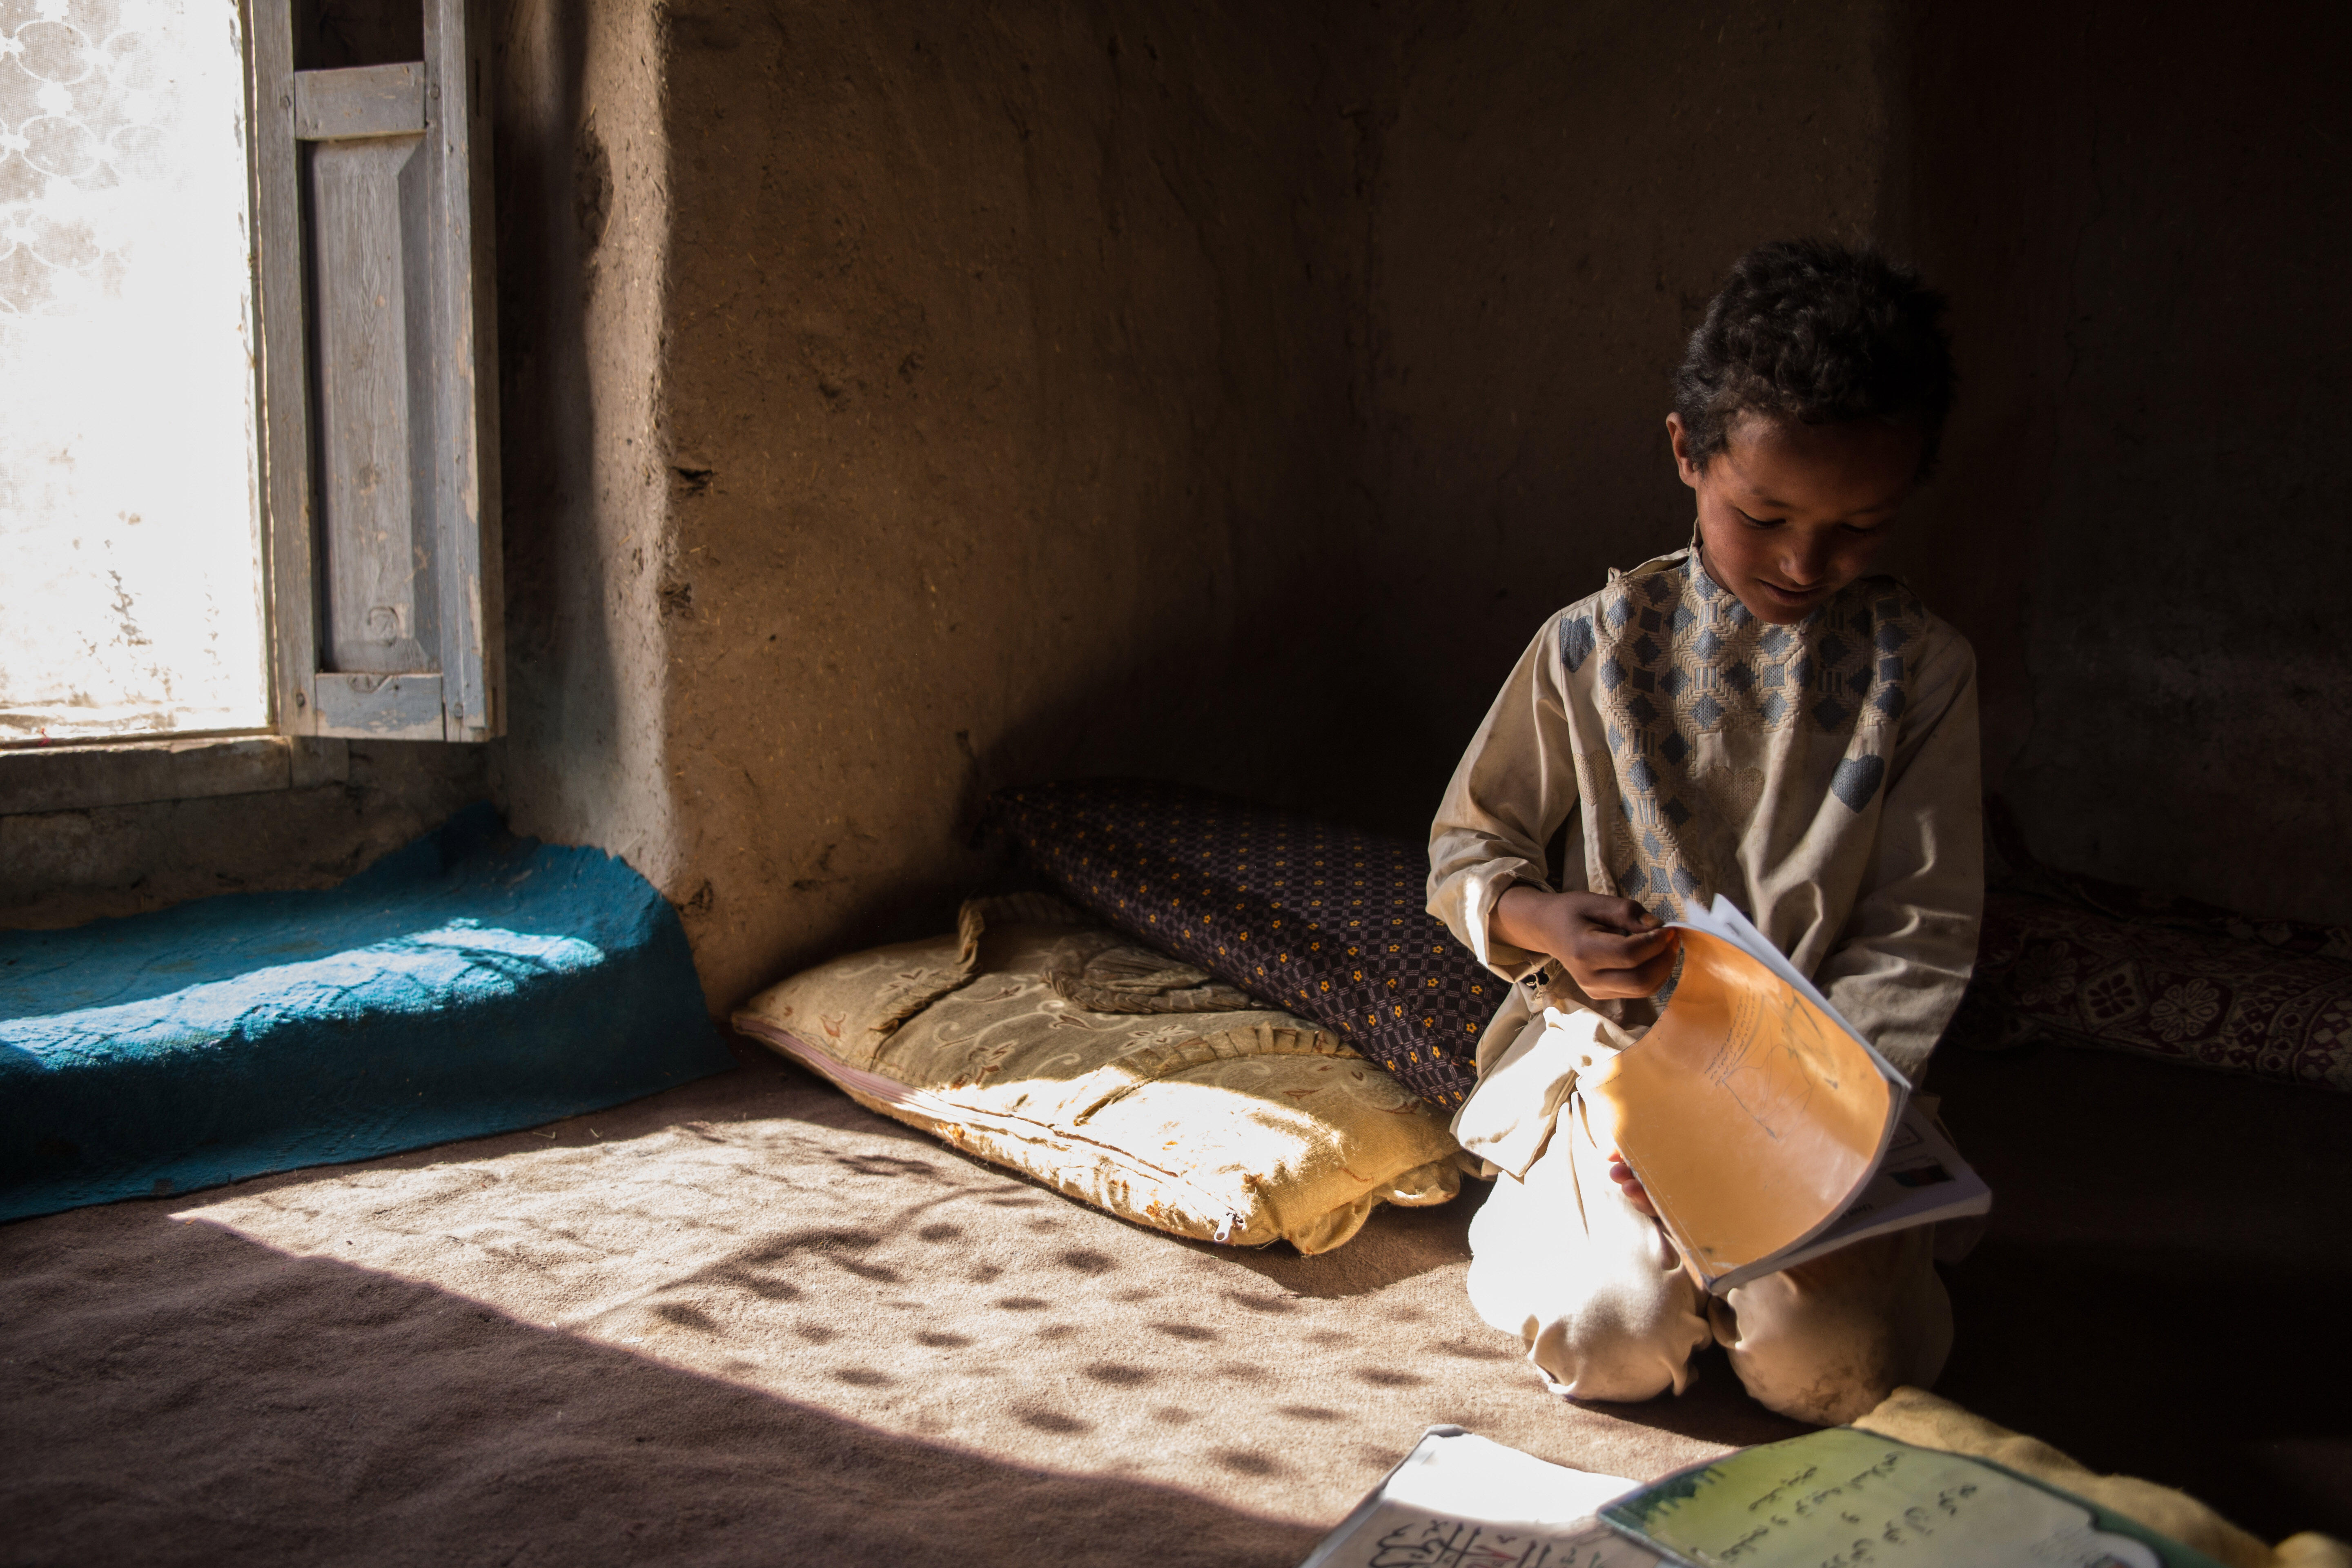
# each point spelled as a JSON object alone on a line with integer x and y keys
{"x": 81, "y": 777}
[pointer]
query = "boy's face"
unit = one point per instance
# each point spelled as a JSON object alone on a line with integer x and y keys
{"x": 1788, "y": 513}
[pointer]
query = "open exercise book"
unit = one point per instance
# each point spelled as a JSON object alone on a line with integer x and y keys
{"x": 1833, "y": 1498}
{"x": 1764, "y": 1127}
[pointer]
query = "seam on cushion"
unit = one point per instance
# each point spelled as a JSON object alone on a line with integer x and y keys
{"x": 1149, "y": 1064}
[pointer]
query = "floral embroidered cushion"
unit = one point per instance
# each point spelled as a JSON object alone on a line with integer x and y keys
{"x": 1327, "y": 922}
{"x": 2186, "y": 990}
{"x": 1035, "y": 1038}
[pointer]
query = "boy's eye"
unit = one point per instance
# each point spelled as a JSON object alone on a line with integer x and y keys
{"x": 1759, "y": 521}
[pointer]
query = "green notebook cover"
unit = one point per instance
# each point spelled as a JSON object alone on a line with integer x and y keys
{"x": 1844, "y": 1499}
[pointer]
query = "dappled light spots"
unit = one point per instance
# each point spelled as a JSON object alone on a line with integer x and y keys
{"x": 1052, "y": 1421}
{"x": 1247, "y": 1462}
{"x": 885, "y": 1165}
{"x": 1139, "y": 1294}
{"x": 860, "y": 1377}
{"x": 1119, "y": 1377}
{"x": 767, "y": 1286}
{"x": 1389, "y": 1377}
{"x": 984, "y": 1274}
{"x": 1057, "y": 1331}
{"x": 1309, "y": 1413}
{"x": 1257, "y": 1303}
{"x": 1469, "y": 1352}
{"x": 1023, "y": 1303}
{"x": 939, "y": 1342}
{"x": 1242, "y": 1371}
{"x": 1026, "y": 1201}
{"x": 687, "y": 1317}
{"x": 1086, "y": 1261}
{"x": 940, "y": 1232}
{"x": 1329, "y": 1337}
{"x": 816, "y": 1333}
{"x": 1190, "y": 1331}
{"x": 1174, "y": 1415}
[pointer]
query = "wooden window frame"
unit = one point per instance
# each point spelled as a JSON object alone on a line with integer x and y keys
{"x": 437, "y": 681}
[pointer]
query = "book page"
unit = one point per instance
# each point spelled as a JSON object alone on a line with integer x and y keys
{"x": 1459, "y": 1501}
{"x": 1753, "y": 1117}
{"x": 1842, "y": 1498}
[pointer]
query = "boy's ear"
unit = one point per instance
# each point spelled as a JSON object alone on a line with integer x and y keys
{"x": 1679, "y": 435}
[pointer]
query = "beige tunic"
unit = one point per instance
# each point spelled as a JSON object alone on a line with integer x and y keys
{"x": 1823, "y": 776}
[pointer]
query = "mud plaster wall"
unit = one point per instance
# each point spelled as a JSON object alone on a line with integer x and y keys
{"x": 583, "y": 223}
{"x": 2141, "y": 220}
{"x": 1009, "y": 434}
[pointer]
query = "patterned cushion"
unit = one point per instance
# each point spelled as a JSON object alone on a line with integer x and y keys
{"x": 2181, "y": 990}
{"x": 1327, "y": 922}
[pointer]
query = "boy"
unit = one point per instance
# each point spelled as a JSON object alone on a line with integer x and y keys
{"x": 1755, "y": 716}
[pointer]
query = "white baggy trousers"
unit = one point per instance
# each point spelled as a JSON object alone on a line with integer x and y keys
{"x": 1599, "y": 1296}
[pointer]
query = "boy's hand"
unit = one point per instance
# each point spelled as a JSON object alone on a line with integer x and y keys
{"x": 1610, "y": 947}
{"x": 1629, "y": 1184}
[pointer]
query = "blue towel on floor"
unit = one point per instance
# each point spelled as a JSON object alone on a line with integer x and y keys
{"x": 471, "y": 983}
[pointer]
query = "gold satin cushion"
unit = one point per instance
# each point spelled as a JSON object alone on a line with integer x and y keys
{"x": 1115, "y": 1075}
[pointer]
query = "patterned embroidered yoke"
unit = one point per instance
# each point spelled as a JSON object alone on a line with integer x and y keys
{"x": 1688, "y": 681}
{"x": 1822, "y": 776}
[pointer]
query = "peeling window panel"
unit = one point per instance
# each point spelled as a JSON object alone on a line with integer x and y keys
{"x": 131, "y": 584}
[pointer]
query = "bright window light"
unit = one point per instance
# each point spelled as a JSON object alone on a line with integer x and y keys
{"x": 129, "y": 514}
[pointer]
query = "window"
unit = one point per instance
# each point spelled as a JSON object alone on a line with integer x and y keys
{"x": 247, "y": 398}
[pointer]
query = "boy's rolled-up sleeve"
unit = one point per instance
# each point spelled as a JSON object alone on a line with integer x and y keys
{"x": 1903, "y": 960}
{"x": 1514, "y": 786}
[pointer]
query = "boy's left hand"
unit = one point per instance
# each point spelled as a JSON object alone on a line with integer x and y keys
{"x": 1629, "y": 1184}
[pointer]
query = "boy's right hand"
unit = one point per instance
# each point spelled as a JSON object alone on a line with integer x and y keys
{"x": 1610, "y": 947}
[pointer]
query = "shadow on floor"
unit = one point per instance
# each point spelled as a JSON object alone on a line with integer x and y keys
{"x": 2152, "y": 1295}
{"x": 386, "y": 1421}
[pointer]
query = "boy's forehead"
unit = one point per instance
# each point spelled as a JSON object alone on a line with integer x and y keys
{"x": 1845, "y": 468}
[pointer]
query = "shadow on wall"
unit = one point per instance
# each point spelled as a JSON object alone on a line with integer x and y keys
{"x": 371, "y": 1408}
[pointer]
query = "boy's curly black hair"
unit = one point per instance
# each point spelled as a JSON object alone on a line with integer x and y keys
{"x": 1815, "y": 331}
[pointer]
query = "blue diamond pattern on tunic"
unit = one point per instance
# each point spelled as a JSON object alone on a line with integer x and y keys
{"x": 1645, "y": 647}
{"x": 1617, "y": 612}
{"x": 1660, "y": 587}
{"x": 1801, "y": 670}
{"x": 1612, "y": 674}
{"x": 1770, "y": 676}
{"x": 1707, "y": 711}
{"x": 1833, "y": 649}
{"x": 1681, "y": 619}
{"x": 1736, "y": 613}
{"x": 1641, "y": 774}
{"x": 1705, "y": 585}
{"x": 1891, "y": 636}
{"x": 1890, "y": 669}
{"x": 1673, "y": 681}
{"x": 1650, "y": 846}
{"x": 1676, "y": 748}
{"x": 1858, "y": 682}
{"x": 1616, "y": 739}
{"x": 1641, "y": 679}
{"x": 1632, "y": 879}
{"x": 1772, "y": 707}
{"x": 1642, "y": 710}
{"x": 1678, "y": 812}
{"x": 1773, "y": 641}
{"x": 1740, "y": 677}
{"x": 1889, "y": 702}
{"x": 1651, "y": 621}
{"x": 1575, "y": 642}
{"x": 1829, "y": 712}
{"x": 1857, "y": 779}
{"x": 1708, "y": 644}
{"x": 1685, "y": 883}
{"x": 1888, "y": 608}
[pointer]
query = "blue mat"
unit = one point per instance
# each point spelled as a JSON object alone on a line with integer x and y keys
{"x": 471, "y": 983}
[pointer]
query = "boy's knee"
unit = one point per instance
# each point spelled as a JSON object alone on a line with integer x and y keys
{"x": 1826, "y": 1340}
{"x": 1624, "y": 1343}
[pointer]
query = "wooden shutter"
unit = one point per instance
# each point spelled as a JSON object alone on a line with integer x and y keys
{"x": 379, "y": 385}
